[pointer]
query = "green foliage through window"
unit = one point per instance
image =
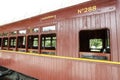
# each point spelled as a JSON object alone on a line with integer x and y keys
{"x": 48, "y": 41}
{"x": 96, "y": 43}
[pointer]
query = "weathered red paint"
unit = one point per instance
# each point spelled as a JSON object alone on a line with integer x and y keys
{"x": 49, "y": 68}
{"x": 68, "y": 23}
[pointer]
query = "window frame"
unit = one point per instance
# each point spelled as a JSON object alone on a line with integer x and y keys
{"x": 43, "y": 40}
{"x": 23, "y": 43}
{"x": 32, "y": 39}
{"x": 87, "y": 36}
{"x": 50, "y": 28}
{"x": 14, "y": 43}
{"x": 5, "y": 40}
{"x": 48, "y": 50}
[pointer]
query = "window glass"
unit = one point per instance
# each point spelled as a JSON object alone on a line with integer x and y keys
{"x": 54, "y": 42}
{"x": 21, "y": 41}
{"x": 0, "y": 34}
{"x": 49, "y": 28}
{"x": 35, "y": 29}
{"x": 5, "y": 42}
{"x": 95, "y": 45}
{"x": 12, "y": 42}
{"x": 24, "y": 40}
{"x": 5, "y": 34}
{"x": 13, "y": 33}
{"x": 22, "y": 32}
{"x": 43, "y": 41}
{"x": 35, "y": 42}
{"x": 48, "y": 41}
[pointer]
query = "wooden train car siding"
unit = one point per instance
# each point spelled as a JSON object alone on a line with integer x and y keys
{"x": 69, "y": 22}
{"x": 118, "y": 23}
{"x": 58, "y": 68}
{"x": 83, "y": 23}
{"x": 68, "y": 26}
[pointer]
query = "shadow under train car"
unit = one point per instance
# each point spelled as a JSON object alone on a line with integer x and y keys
{"x": 7, "y": 74}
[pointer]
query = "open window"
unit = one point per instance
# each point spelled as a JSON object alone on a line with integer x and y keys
{"x": 48, "y": 44}
{"x": 33, "y": 43}
{"x": 21, "y": 43}
{"x": 95, "y": 44}
{"x": 12, "y": 43}
{"x": 5, "y": 43}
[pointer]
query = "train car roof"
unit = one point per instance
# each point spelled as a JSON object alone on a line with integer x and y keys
{"x": 57, "y": 11}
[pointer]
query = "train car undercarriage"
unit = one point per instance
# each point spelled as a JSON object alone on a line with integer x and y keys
{"x": 8, "y": 74}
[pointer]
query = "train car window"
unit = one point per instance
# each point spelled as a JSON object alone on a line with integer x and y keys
{"x": 22, "y": 32}
{"x": 13, "y": 33}
{"x": 0, "y": 41}
{"x": 35, "y": 30}
{"x": 33, "y": 42}
{"x": 5, "y": 42}
{"x": 49, "y": 28}
{"x": 12, "y": 42}
{"x": 21, "y": 41}
{"x": 5, "y": 34}
{"x": 94, "y": 41}
{"x": 0, "y": 34}
{"x": 48, "y": 43}
{"x": 95, "y": 45}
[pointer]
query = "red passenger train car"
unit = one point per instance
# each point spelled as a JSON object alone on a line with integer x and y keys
{"x": 80, "y": 42}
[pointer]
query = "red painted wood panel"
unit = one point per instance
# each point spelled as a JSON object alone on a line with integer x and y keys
{"x": 114, "y": 36}
{"x": 49, "y": 68}
{"x": 69, "y": 23}
{"x": 68, "y": 32}
{"x": 118, "y": 24}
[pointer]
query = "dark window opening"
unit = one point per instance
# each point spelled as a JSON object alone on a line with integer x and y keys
{"x": 5, "y": 42}
{"x": 21, "y": 41}
{"x": 94, "y": 41}
{"x": 48, "y": 42}
{"x": 12, "y": 42}
{"x": 33, "y": 42}
{"x": 0, "y": 41}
